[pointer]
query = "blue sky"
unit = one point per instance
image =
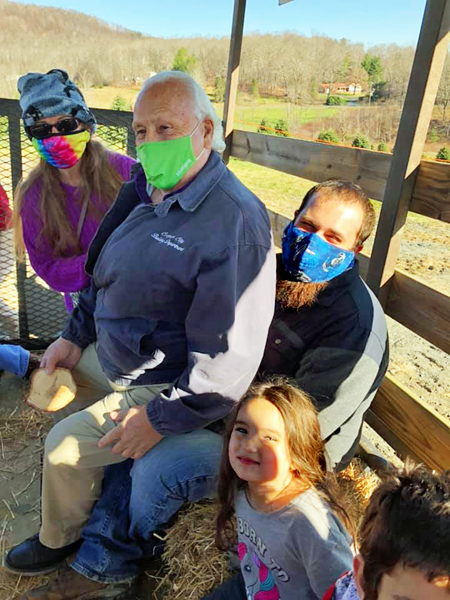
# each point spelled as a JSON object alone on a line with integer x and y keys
{"x": 378, "y": 21}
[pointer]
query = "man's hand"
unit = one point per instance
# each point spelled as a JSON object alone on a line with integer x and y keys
{"x": 134, "y": 435}
{"x": 61, "y": 353}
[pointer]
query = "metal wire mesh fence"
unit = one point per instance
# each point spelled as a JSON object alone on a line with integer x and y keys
{"x": 30, "y": 312}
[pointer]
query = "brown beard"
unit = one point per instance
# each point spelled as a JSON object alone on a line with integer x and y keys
{"x": 296, "y": 294}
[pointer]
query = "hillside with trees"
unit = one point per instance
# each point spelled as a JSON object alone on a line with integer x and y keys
{"x": 97, "y": 53}
{"x": 288, "y": 67}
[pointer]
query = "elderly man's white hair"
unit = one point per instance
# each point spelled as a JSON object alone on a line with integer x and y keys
{"x": 203, "y": 106}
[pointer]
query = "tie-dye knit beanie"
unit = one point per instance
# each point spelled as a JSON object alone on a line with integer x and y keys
{"x": 50, "y": 94}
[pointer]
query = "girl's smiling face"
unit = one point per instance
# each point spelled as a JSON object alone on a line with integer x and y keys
{"x": 258, "y": 451}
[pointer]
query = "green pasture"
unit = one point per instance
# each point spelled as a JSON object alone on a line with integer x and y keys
{"x": 250, "y": 112}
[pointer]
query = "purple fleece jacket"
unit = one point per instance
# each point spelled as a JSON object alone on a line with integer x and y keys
{"x": 64, "y": 274}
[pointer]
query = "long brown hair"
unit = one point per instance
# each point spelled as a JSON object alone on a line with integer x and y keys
{"x": 306, "y": 453}
{"x": 98, "y": 177}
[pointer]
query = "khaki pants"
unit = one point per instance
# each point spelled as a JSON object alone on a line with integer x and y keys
{"x": 73, "y": 463}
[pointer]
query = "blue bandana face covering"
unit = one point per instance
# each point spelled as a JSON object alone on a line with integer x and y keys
{"x": 308, "y": 258}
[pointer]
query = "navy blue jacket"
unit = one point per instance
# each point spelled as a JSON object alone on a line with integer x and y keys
{"x": 182, "y": 293}
{"x": 337, "y": 350}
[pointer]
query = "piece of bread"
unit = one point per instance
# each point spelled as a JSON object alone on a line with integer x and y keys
{"x": 51, "y": 392}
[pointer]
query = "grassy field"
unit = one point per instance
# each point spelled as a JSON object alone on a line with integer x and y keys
{"x": 250, "y": 112}
{"x": 104, "y": 97}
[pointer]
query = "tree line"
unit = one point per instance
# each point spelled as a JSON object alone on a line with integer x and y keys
{"x": 288, "y": 65}
{"x": 35, "y": 38}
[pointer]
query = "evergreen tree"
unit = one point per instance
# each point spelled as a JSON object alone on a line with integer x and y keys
{"x": 360, "y": 141}
{"x": 219, "y": 89}
{"x": 443, "y": 154}
{"x": 183, "y": 61}
{"x": 263, "y": 127}
{"x": 281, "y": 128}
{"x": 434, "y": 136}
{"x": 119, "y": 103}
{"x": 328, "y": 135}
{"x": 254, "y": 89}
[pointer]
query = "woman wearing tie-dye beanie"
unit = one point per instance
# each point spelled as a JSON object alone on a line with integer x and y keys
{"x": 59, "y": 206}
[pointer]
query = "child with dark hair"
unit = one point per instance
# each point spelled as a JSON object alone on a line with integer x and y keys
{"x": 290, "y": 541}
{"x": 404, "y": 541}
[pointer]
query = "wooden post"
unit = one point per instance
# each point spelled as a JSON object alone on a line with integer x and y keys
{"x": 419, "y": 102}
{"x": 234, "y": 60}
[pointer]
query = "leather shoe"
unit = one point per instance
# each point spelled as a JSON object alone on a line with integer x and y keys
{"x": 70, "y": 585}
{"x": 33, "y": 558}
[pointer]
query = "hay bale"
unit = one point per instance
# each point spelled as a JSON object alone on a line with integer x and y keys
{"x": 13, "y": 586}
{"x": 22, "y": 432}
{"x": 192, "y": 564}
{"x": 356, "y": 484}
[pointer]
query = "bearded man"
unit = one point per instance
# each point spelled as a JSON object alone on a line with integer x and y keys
{"x": 329, "y": 331}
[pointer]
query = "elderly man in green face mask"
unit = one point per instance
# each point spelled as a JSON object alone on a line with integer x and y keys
{"x": 165, "y": 341}
{"x": 173, "y": 143}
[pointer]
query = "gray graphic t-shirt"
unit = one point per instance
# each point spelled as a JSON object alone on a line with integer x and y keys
{"x": 295, "y": 553}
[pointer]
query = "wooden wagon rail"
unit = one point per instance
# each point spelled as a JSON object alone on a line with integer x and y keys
{"x": 319, "y": 161}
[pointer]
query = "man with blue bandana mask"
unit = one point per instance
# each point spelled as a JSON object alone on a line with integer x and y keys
{"x": 329, "y": 331}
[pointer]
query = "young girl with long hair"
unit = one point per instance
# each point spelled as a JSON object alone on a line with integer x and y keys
{"x": 290, "y": 540}
{"x": 59, "y": 206}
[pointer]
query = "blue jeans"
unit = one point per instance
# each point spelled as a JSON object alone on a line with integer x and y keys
{"x": 139, "y": 497}
{"x": 234, "y": 589}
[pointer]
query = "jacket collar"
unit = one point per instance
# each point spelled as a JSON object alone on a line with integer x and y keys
{"x": 190, "y": 196}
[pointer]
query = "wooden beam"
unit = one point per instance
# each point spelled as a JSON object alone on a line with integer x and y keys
{"x": 278, "y": 222}
{"x": 402, "y": 450}
{"x": 234, "y": 59}
{"x": 318, "y": 161}
{"x": 431, "y": 194}
{"x": 421, "y": 308}
{"x": 419, "y": 102}
{"x": 314, "y": 160}
{"x": 409, "y": 425}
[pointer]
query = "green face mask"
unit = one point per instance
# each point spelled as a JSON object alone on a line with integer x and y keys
{"x": 166, "y": 162}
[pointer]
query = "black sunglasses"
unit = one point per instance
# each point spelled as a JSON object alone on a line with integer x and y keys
{"x": 41, "y": 131}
